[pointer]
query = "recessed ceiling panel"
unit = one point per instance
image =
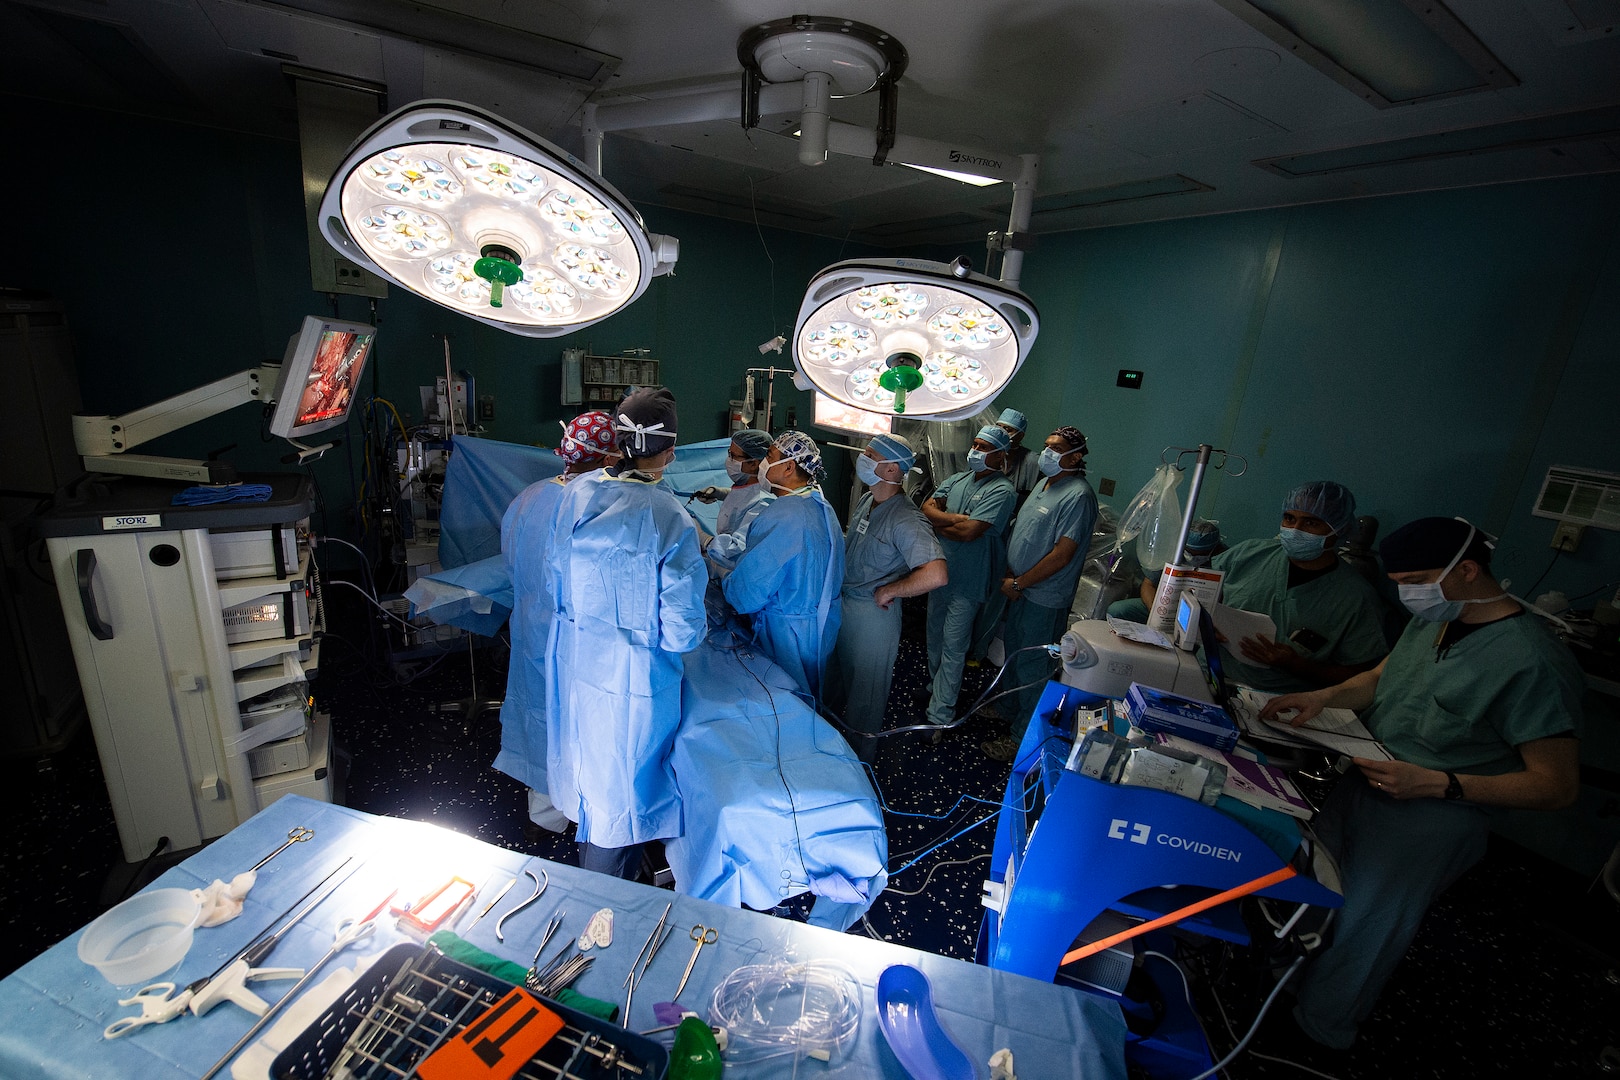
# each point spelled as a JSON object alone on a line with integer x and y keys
{"x": 1185, "y": 123}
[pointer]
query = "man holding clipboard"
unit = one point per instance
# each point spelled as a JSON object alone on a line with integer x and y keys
{"x": 1479, "y": 704}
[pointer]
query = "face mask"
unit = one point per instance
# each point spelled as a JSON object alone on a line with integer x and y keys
{"x": 975, "y": 461}
{"x": 1051, "y": 462}
{"x": 765, "y": 474}
{"x": 734, "y": 469}
{"x": 866, "y": 469}
{"x": 1197, "y": 560}
{"x": 1428, "y": 600}
{"x": 1302, "y": 546}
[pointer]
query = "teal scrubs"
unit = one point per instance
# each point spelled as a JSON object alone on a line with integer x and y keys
{"x": 885, "y": 542}
{"x": 789, "y": 579}
{"x": 1064, "y": 508}
{"x": 1340, "y": 606}
{"x": 953, "y": 607}
{"x": 1464, "y": 709}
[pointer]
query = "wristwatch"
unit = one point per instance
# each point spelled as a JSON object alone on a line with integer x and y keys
{"x": 1453, "y": 786}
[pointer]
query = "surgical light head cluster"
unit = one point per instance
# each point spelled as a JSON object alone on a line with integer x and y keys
{"x": 489, "y": 220}
{"x": 906, "y": 336}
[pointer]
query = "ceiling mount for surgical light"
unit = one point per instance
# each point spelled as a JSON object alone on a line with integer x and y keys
{"x": 492, "y": 221}
{"x": 934, "y": 341}
{"x": 833, "y": 58}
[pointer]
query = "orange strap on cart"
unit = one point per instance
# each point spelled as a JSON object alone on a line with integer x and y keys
{"x": 1234, "y": 893}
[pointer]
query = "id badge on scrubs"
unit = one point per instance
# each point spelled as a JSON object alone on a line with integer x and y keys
{"x": 860, "y": 526}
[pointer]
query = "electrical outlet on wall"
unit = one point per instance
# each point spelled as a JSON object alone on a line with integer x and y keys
{"x": 1567, "y": 536}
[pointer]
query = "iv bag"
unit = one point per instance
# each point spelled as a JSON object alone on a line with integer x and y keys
{"x": 1154, "y": 518}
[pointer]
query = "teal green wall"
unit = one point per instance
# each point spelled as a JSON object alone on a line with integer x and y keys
{"x": 1434, "y": 352}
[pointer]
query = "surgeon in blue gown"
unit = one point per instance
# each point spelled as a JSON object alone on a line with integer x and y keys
{"x": 791, "y": 573}
{"x": 745, "y": 501}
{"x": 588, "y": 444}
{"x": 629, "y": 582}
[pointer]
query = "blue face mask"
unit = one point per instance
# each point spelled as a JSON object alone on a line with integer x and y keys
{"x": 866, "y": 469}
{"x": 1051, "y": 462}
{"x": 975, "y": 461}
{"x": 1302, "y": 546}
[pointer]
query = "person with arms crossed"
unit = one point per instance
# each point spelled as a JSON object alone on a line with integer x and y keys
{"x": 969, "y": 513}
{"x": 1047, "y": 551}
{"x": 1479, "y": 704}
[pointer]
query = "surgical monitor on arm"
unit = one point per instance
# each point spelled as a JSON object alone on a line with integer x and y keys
{"x": 320, "y": 375}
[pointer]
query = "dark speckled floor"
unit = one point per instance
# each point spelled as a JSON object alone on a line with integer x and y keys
{"x": 1507, "y": 977}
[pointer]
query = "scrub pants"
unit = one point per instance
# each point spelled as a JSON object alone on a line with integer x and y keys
{"x": 950, "y": 633}
{"x": 1028, "y": 623}
{"x": 621, "y": 862}
{"x": 1395, "y": 858}
{"x": 987, "y": 622}
{"x": 1131, "y": 609}
{"x": 863, "y": 668}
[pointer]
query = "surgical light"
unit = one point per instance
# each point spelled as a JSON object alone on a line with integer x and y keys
{"x": 474, "y": 213}
{"x": 905, "y": 336}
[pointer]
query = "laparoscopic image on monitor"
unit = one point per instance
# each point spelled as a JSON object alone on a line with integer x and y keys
{"x": 320, "y": 373}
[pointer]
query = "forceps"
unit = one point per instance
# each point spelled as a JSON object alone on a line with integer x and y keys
{"x": 703, "y": 935}
{"x": 294, "y": 836}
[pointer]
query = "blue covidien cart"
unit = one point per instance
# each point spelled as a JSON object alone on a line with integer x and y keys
{"x": 1107, "y": 858}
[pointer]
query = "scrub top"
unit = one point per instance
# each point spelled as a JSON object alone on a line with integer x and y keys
{"x": 1340, "y": 605}
{"x": 886, "y": 541}
{"x": 1052, "y": 511}
{"x": 1466, "y": 707}
{"x": 990, "y": 498}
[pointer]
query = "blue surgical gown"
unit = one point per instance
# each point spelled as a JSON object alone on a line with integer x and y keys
{"x": 628, "y": 580}
{"x": 525, "y": 536}
{"x": 789, "y": 579}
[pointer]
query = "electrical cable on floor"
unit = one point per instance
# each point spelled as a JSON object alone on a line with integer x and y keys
{"x": 890, "y": 890}
{"x": 1254, "y": 1027}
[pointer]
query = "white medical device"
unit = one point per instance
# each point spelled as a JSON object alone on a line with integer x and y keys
{"x": 1099, "y": 661}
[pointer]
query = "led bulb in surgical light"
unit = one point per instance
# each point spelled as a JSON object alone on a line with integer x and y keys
{"x": 478, "y": 215}
{"x": 966, "y": 335}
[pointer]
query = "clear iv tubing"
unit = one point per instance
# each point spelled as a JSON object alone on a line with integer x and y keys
{"x": 826, "y": 995}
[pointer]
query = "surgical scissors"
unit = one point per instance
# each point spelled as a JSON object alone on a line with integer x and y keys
{"x": 703, "y": 935}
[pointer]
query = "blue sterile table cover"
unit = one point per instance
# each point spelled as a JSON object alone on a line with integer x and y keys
{"x": 56, "y": 1006}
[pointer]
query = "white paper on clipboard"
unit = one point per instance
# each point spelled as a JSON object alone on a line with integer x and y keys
{"x": 1235, "y": 624}
{"x": 1339, "y": 730}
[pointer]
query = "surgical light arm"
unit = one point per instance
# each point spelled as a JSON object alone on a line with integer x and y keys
{"x": 105, "y": 440}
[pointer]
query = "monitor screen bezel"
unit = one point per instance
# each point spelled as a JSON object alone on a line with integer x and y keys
{"x": 828, "y": 400}
{"x": 296, "y": 366}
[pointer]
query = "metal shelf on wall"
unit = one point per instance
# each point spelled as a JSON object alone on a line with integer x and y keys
{"x": 606, "y": 378}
